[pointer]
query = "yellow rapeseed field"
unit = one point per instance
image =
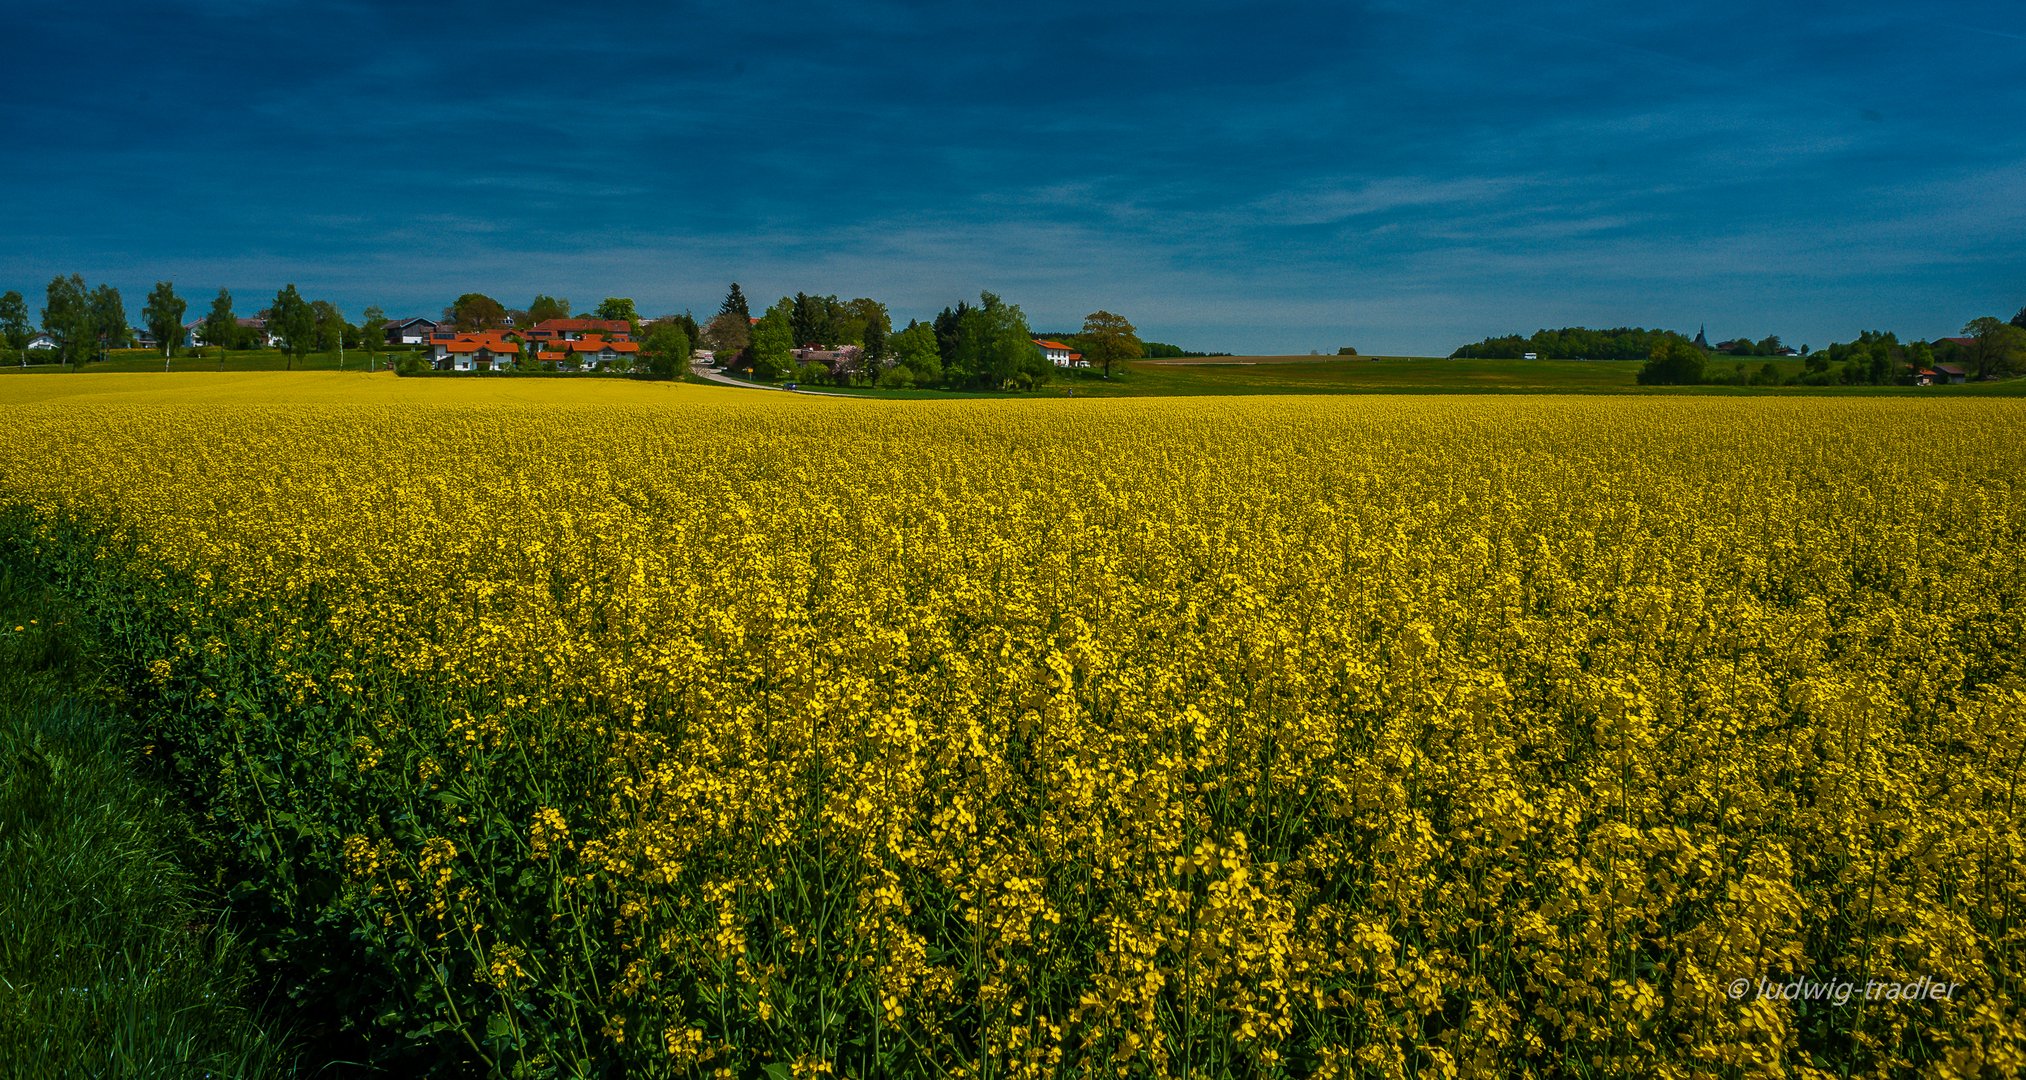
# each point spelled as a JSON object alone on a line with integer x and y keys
{"x": 548, "y": 728}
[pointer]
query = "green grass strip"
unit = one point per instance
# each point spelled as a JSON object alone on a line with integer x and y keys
{"x": 115, "y": 960}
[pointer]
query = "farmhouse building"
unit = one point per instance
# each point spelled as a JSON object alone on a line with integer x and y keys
{"x": 1060, "y": 354}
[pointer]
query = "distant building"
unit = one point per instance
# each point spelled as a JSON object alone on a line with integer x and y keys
{"x": 1060, "y": 354}
{"x": 1701, "y": 342}
{"x": 412, "y": 331}
{"x": 577, "y": 329}
{"x": 840, "y": 360}
{"x": 41, "y": 342}
{"x": 487, "y": 351}
{"x": 595, "y": 351}
{"x": 262, "y": 336}
{"x": 1950, "y": 373}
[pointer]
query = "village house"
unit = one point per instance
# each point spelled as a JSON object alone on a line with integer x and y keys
{"x": 40, "y": 342}
{"x": 577, "y": 329}
{"x": 1060, "y": 354}
{"x": 488, "y": 351}
{"x": 411, "y": 331}
{"x": 1950, "y": 373}
{"x": 594, "y": 351}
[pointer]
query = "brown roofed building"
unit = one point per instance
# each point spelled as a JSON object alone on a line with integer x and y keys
{"x": 576, "y": 329}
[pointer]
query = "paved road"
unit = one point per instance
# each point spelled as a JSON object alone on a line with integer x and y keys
{"x": 717, "y": 376}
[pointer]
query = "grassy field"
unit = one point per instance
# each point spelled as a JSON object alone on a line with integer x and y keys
{"x": 115, "y": 961}
{"x": 146, "y": 360}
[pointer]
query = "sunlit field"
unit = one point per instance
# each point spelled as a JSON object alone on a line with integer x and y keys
{"x": 551, "y": 727}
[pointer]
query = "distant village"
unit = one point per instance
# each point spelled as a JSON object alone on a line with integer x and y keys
{"x": 549, "y": 345}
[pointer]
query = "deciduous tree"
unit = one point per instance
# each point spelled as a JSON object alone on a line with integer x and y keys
{"x": 915, "y": 349}
{"x": 729, "y": 334}
{"x": 773, "y": 343}
{"x": 544, "y": 307}
{"x": 108, "y": 318}
{"x": 330, "y": 325}
{"x": 1674, "y": 363}
{"x": 476, "y": 311}
{"x": 372, "y": 331}
{"x": 666, "y": 350}
{"x": 1006, "y": 357}
{"x": 1109, "y": 339}
{"x": 1997, "y": 348}
{"x": 66, "y": 317}
{"x": 294, "y": 321}
{"x": 164, "y": 316}
{"x": 220, "y": 326}
{"x": 14, "y": 327}
{"x": 618, "y": 307}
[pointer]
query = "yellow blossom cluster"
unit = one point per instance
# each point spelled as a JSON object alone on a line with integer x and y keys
{"x": 717, "y": 734}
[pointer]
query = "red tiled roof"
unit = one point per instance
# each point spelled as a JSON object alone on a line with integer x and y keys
{"x": 585, "y": 326}
{"x": 594, "y": 343}
{"x": 471, "y": 343}
{"x": 551, "y": 357}
{"x": 1051, "y": 344}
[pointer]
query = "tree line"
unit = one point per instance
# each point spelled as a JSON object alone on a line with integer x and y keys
{"x": 87, "y": 323}
{"x": 1572, "y": 343}
{"x": 983, "y": 346}
{"x": 1989, "y": 348}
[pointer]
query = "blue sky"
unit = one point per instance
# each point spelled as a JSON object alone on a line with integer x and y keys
{"x": 1271, "y": 177}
